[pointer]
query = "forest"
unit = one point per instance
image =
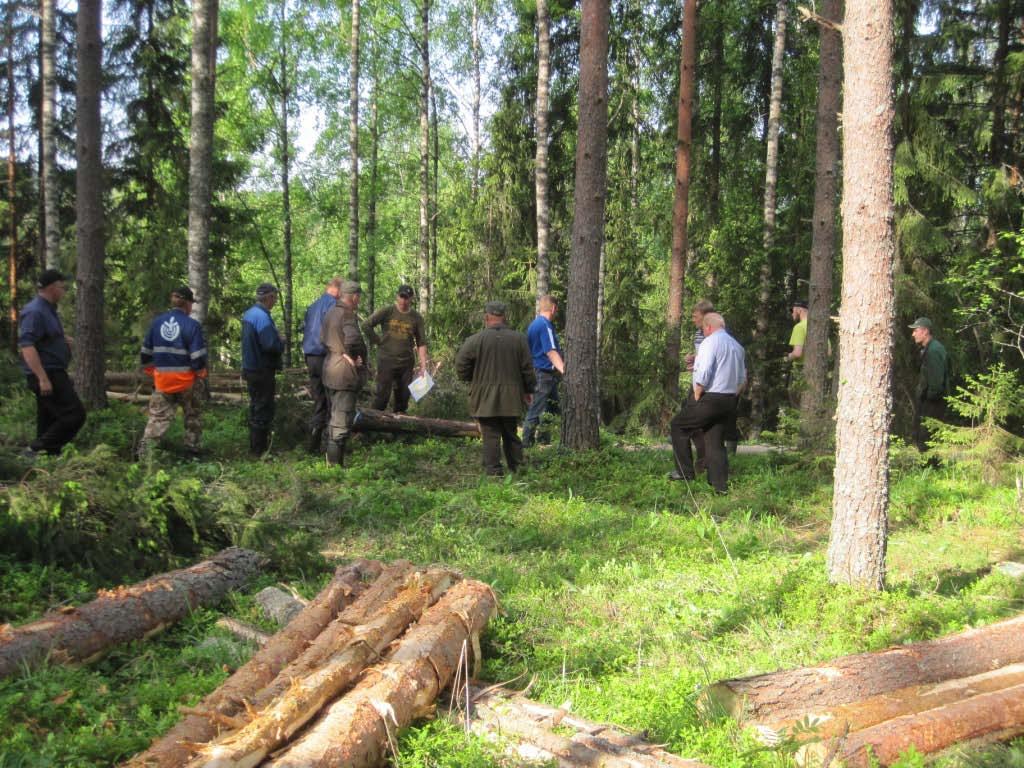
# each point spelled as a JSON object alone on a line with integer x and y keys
{"x": 854, "y": 167}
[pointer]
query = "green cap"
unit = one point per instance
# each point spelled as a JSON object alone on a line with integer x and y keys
{"x": 351, "y": 286}
{"x": 921, "y": 322}
{"x": 495, "y": 308}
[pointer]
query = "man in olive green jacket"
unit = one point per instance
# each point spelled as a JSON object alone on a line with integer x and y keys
{"x": 497, "y": 363}
{"x": 932, "y": 381}
{"x": 345, "y": 370}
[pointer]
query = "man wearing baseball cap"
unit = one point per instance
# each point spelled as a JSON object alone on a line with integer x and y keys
{"x": 932, "y": 381}
{"x": 404, "y": 334}
{"x": 797, "y": 339}
{"x": 262, "y": 347}
{"x": 174, "y": 354}
{"x": 45, "y": 355}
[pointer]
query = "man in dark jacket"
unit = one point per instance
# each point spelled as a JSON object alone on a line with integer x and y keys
{"x": 262, "y": 347}
{"x": 315, "y": 352}
{"x": 497, "y": 363}
{"x": 45, "y": 354}
{"x": 932, "y": 381}
{"x": 345, "y": 370}
{"x": 403, "y": 334}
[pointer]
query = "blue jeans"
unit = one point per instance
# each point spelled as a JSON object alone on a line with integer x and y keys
{"x": 545, "y": 395}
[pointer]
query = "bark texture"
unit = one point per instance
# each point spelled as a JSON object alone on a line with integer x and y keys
{"x": 541, "y": 159}
{"x": 424, "y": 243}
{"x": 353, "y": 147}
{"x": 856, "y": 552}
{"x": 369, "y": 420}
{"x": 12, "y": 190}
{"x": 48, "y": 126}
{"x": 125, "y": 613}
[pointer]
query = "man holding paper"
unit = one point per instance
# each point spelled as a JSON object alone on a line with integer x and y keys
{"x": 403, "y": 334}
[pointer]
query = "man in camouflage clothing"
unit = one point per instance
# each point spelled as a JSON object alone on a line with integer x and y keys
{"x": 345, "y": 370}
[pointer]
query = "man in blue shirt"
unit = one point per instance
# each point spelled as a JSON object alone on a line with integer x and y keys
{"x": 315, "y": 351}
{"x": 45, "y": 354}
{"x": 262, "y": 347}
{"x": 719, "y": 374}
{"x": 548, "y": 364}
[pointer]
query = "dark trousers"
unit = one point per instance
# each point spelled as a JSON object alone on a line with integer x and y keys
{"x": 392, "y": 376}
{"x": 262, "y": 387}
{"x": 59, "y": 415}
{"x": 498, "y": 432}
{"x": 709, "y": 415}
{"x": 544, "y": 397}
{"x": 321, "y": 399}
{"x": 926, "y": 409}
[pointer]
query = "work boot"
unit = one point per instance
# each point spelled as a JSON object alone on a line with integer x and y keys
{"x": 336, "y": 453}
{"x": 258, "y": 439}
{"x": 315, "y": 439}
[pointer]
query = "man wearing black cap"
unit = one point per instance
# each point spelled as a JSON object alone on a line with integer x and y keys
{"x": 174, "y": 354}
{"x": 345, "y": 370}
{"x": 262, "y": 347}
{"x": 403, "y": 333}
{"x": 932, "y": 381}
{"x": 497, "y": 363}
{"x": 45, "y": 354}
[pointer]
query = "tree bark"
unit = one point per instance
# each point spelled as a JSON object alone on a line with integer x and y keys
{"x": 125, "y": 613}
{"x": 997, "y": 142}
{"x": 48, "y": 126}
{"x": 541, "y": 158}
{"x": 475, "y": 135}
{"x": 681, "y": 205}
{"x": 424, "y": 297}
{"x": 200, "y": 167}
{"x": 353, "y": 147}
{"x": 357, "y": 729}
{"x": 856, "y": 552}
{"x": 371, "y": 212}
{"x": 369, "y": 420}
{"x": 177, "y": 745}
{"x": 12, "y": 188}
{"x": 581, "y": 414}
{"x": 435, "y": 159}
{"x": 823, "y": 232}
{"x": 286, "y": 191}
{"x": 89, "y": 277}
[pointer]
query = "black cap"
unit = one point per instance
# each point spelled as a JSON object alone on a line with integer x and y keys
{"x": 265, "y": 289}
{"x": 800, "y": 304}
{"x": 51, "y": 276}
{"x": 405, "y": 291}
{"x": 495, "y": 308}
{"x": 183, "y": 292}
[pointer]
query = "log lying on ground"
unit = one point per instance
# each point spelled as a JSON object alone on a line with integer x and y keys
{"x": 140, "y": 397}
{"x": 125, "y": 613}
{"x": 369, "y": 420}
{"x": 356, "y": 730}
{"x": 499, "y": 714}
{"x": 200, "y": 726}
{"x": 304, "y": 700}
{"x": 787, "y": 695}
{"x": 243, "y": 631}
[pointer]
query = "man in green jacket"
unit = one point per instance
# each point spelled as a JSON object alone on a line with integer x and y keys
{"x": 497, "y": 363}
{"x": 344, "y": 372}
{"x": 932, "y": 382}
{"x": 403, "y": 334}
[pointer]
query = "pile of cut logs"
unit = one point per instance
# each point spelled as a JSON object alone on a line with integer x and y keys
{"x": 929, "y": 695}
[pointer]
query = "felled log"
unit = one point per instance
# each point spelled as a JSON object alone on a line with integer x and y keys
{"x": 143, "y": 397}
{"x": 787, "y": 695}
{"x": 125, "y": 613}
{"x": 243, "y": 631}
{"x": 279, "y": 722}
{"x": 989, "y": 716}
{"x": 526, "y": 727}
{"x": 200, "y": 726}
{"x": 369, "y": 420}
{"x": 356, "y": 730}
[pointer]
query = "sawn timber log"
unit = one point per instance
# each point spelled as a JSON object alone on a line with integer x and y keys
{"x": 369, "y": 420}
{"x": 125, "y": 613}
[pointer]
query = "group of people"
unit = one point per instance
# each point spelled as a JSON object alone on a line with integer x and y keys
{"x": 507, "y": 371}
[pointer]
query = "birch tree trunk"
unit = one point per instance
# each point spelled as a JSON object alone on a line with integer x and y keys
{"x": 541, "y": 159}
{"x": 681, "y": 205}
{"x": 424, "y": 297}
{"x": 435, "y": 156}
{"x": 12, "y": 188}
{"x": 353, "y": 148}
{"x": 89, "y": 335}
{"x": 758, "y": 379}
{"x": 48, "y": 118}
{"x": 856, "y": 551}
{"x": 371, "y": 208}
{"x": 475, "y": 128}
{"x": 286, "y": 187}
{"x": 200, "y": 161}
{"x": 581, "y": 415}
{"x": 823, "y": 234}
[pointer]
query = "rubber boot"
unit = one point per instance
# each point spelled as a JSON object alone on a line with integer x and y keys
{"x": 258, "y": 441}
{"x": 336, "y": 453}
{"x": 315, "y": 440}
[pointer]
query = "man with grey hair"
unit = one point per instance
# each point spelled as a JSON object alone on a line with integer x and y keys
{"x": 315, "y": 352}
{"x": 345, "y": 370}
{"x": 719, "y": 373}
{"x": 262, "y": 347}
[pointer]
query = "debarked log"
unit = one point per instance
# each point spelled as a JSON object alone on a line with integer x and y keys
{"x": 787, "y": 695}
{"x": 280, "y": 721}
{"x": 356, "y": 730}
{"x": 369, "y": 420}
{"x": 227, "y": 701}
{"x": 125, "y": 613}
{"x": 143, "y": 397}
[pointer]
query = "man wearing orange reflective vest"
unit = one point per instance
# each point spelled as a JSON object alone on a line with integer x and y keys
{"x": 174, "y": 354}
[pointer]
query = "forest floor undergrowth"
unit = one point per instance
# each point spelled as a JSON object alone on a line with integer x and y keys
{"x": 621, "y": 592}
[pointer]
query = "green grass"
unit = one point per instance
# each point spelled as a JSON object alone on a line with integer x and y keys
{"x": 621, "y": 592}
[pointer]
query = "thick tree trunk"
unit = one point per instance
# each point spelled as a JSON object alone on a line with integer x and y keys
{"x": 357, "y": 729}
{"x": 305, "y": 698}
{"x": 369, "y": 420}
{"x": 176, "y": 746}
{"x": 856, "y": 552}
{"x": 424, "y": 297}
{"x": 759, "y": 377}
{"x": 89, "y": 277}
{"x": 823, "y": 228}
{"x": 581, "y": 413}
{"x": 48, "y": 125}
{"x": 200, "y": 167}
{"x": 286, "y": 187}
{"x": 681, "y": 205}
{"x": 126, "y": 613}
{"x": 12, "y": 188}
{"x": 353, "y": 147}
{"x": 541, "y": 159}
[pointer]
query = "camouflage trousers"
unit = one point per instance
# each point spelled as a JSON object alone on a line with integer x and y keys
{"x": 163, "y": 406}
